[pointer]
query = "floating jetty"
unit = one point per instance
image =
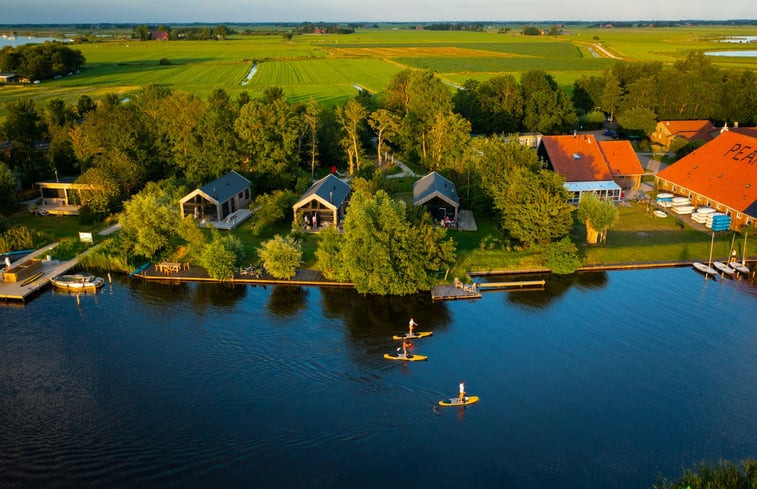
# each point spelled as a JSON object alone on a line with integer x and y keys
{"x": 446, "y": 292}
{"x": 522, "y": 284}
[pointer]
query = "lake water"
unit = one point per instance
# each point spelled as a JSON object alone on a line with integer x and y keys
{"x": 20, "y": 40}
{"x": 734, "y": 54}
{"x": 601, "y": 380}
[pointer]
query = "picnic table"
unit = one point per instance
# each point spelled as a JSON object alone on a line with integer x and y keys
{"x": 168, "y": 267}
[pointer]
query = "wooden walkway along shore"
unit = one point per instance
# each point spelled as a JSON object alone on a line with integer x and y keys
{"x": 191, "y": 273}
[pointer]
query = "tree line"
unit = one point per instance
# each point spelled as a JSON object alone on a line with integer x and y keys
{"x": 640, "y": 94}
{"x": 40, "y": 61}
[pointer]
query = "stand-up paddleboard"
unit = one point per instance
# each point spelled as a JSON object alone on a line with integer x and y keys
{"x": 414, "y": 336}
{"x": 454, "y": 401}
{"x": 410, "y": 357}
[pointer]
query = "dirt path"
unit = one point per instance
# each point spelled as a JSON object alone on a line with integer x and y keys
{"x": 605, "y": 53}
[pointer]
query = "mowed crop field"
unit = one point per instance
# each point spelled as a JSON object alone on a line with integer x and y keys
{"x": 330, "y": 67}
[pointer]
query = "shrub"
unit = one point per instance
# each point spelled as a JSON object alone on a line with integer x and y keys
{"x": 16, "y": 238}
{"x": 270, "y": 209}
{"x": 562, "y": 257}
{"x": 221, "y": 256}
{"x": 281, "y": 256}
{"x": 164, "y": 62}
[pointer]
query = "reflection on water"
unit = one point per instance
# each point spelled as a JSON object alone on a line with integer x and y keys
{"x": 599, "y": 380}
{"x": 556, "y": 286}
{"x": 287, "y": 301}
{"x": 368, "y": 316}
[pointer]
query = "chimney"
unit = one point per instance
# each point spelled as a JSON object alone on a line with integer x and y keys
{"x": 331, "y": 197}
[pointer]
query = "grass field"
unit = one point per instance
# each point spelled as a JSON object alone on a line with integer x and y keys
{"x": 329, "y": 67}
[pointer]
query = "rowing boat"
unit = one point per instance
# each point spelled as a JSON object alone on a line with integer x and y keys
{"x": 77, "y": 282}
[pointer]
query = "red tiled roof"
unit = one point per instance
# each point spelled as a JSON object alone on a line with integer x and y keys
{"x": 621, "y": 158}
{"x": 694, "y": 129}
{"x": 577, "y": 158}
{"x": 724, "y": 170}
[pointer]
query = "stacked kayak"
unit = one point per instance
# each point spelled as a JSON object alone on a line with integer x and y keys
{"x": 701, "y": 214}
{"x": 717, "y": 221}
{"x": 665, "y": 200}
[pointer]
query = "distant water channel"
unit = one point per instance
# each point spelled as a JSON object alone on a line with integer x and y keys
{"x": 601, "y": 380}
{"x": 21, "y": 40}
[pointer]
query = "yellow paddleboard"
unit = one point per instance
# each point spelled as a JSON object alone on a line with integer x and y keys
{"x": 454, "y": 401}
{"x": 410, "y": 357}
{"x": 414, "y": 336}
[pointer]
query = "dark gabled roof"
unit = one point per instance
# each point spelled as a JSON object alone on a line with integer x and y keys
{"x": 225, "y": 187}
{"x": 329, "y": 190}
{"x": 434, "y": 185}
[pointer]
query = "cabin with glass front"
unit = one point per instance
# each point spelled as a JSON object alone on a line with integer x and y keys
{"x": 218, "y": 200}
{"x": 323, "y": 204}
{"x": 438, "y": 195}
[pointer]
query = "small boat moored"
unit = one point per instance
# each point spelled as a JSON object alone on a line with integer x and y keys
{"x": 705, "y": 269}
{"x": 723, "y": 268}
{"x": 742, "y": 269}
{"x": 78, "y": 282}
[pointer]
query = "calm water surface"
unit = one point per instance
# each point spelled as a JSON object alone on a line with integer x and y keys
{"x": 14, "y": 41}
{"x": 604, "y": 380}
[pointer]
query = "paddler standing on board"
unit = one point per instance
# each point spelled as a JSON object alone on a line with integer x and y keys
{"x": 461, "y": 397}
{"x": 410, "y": 326}
{"x": 405, "y": 345}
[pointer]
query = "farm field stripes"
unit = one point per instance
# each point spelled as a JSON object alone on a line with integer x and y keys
{"x": 196, "y": 51}
{"x": 329, "y": 67}
{"x": 497, "y": 65}
{"x": 372, "y": 74}
{"x": 549, "y": 49}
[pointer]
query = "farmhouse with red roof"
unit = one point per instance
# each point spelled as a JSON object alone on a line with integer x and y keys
{"x": 668, "y": 131}
{"x": 721, "y": 174}
{"x": 588, "y": 165}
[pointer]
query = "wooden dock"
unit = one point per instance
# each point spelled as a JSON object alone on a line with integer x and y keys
{"x": 446, "y": 292}
{"x": 21, "y": 291}
{"x": 191, "y": 273}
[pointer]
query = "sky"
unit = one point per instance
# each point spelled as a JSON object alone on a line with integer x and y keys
{"x": 219, "y": 11}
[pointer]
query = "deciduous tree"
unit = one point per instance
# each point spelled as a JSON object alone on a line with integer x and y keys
{"x": 352, "y": 117}
{"x": 384, "y": 252}
{"x": 598, "y": 216}
{"x": 281, "y": 256}
{"x": 535, "y": 207}
{"x": 385, "y": 124}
